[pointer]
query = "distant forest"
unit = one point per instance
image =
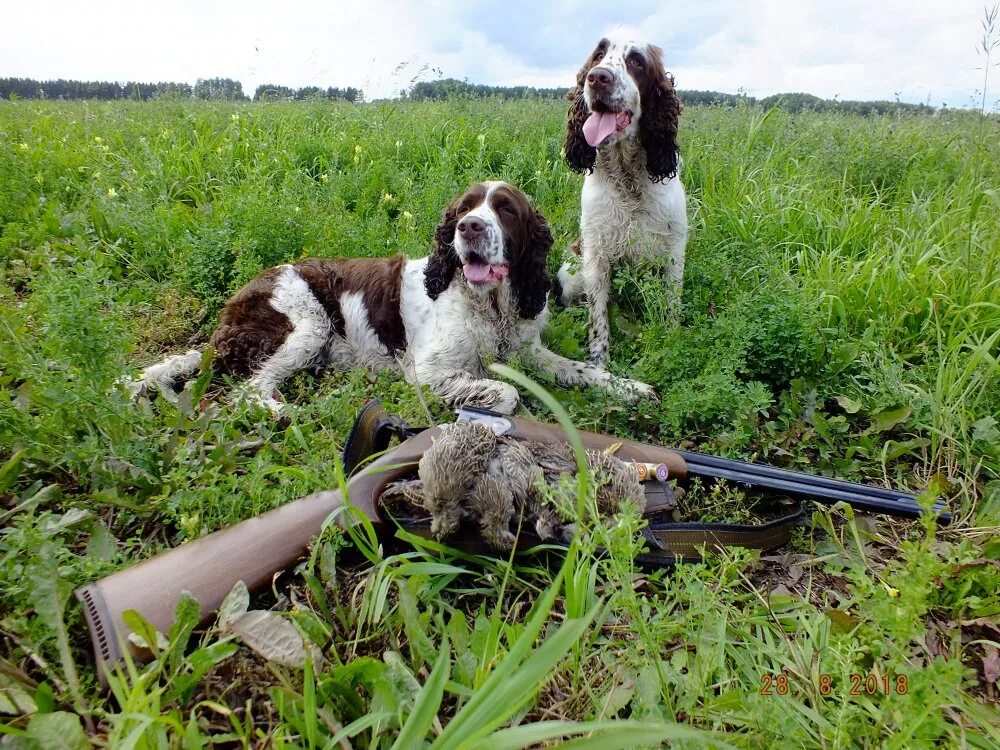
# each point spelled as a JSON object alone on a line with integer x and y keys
{"x": 226, "y": 89}
{"x": 216, "y": 89}
{"x": 450, "y": 87}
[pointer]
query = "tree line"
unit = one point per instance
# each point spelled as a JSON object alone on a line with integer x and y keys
{"x": 797, "y": 102}
{"x": 447, "y": 88}
{"x": 272, "y": 92}
{"x": 226, "y": 89}
{"x": 450, "y": 87}
{"x": 215, "y": 89}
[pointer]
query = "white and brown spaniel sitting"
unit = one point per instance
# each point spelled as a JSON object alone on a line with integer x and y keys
{"x": 480, "y": 296}
{"x": 622, "y": 131}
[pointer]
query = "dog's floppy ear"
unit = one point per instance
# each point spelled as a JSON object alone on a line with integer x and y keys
{"x": 443, "y": 262}
{"x": 580, "y": 155}
{"x": 661, "y": 111}
{"x": 529, "y": 276}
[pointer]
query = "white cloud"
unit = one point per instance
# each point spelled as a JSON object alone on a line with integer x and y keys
{"x": 852, "y": 49}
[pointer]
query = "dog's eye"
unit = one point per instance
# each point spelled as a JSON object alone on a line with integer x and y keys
{"x": 508, "y": 209}
{"x": 635, "y": 59}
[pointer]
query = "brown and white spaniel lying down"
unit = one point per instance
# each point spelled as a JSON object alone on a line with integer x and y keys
{"x": 480, "y": 296}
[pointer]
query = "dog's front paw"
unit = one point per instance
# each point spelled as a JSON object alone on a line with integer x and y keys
{"x": 253, "y": 396}
{"x": 501, "y": 397}
{"x": 509, "y": 400}
{"x": 634, "y": 390}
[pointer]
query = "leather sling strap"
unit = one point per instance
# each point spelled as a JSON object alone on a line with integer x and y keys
{"x": 682, "y": 542}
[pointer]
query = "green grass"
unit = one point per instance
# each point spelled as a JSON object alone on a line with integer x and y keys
{"x": 841, "y": 314}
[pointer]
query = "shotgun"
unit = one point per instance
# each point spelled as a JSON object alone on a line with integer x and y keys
{"x": 254, "y": 550}
{"x": 756, "y": 476}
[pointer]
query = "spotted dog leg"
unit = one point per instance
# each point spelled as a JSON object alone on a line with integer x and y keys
{"x": 675, "y": 243}
{"x": 163, "y": 375}
{"x": 461, "y": 388}
{"x": 568, "y": 284}
{"x": 597, "y": 282}
{"x": 569, "y": 372}
{"x": 302, "y": 347}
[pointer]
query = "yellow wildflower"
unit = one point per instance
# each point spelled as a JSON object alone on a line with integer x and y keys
{"x": 112, "y": 193}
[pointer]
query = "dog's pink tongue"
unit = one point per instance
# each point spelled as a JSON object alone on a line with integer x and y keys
{"x": 476, "y": 272}
{"x": 599, "y": 126}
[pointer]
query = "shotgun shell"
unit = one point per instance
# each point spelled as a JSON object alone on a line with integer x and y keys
{"x": 647, "y": 471}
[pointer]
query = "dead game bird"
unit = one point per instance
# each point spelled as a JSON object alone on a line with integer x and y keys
{"x": 450, "y": 469}
{"x": 471, "y": 472}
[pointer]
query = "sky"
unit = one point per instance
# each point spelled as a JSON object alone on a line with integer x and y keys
{"x": 913, "y": 50}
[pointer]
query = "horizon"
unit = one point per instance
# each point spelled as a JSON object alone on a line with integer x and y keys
{"x": 251, "y": 94}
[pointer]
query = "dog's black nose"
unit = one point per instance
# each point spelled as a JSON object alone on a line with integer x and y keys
{"x": 471, "y": 227}
{"x": 600, "y": 77}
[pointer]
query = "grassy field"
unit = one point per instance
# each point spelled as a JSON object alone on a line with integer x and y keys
{"x": 841, "y": 314}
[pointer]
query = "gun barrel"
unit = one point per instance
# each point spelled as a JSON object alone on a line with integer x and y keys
{"x": 763, "y": 470}
{"x": 804, "y": 486}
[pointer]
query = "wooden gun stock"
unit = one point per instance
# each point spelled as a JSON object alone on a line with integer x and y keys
{"x": 251, "y": 551}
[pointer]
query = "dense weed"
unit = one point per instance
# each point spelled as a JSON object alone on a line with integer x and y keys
{"x": 841, "y": 314}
